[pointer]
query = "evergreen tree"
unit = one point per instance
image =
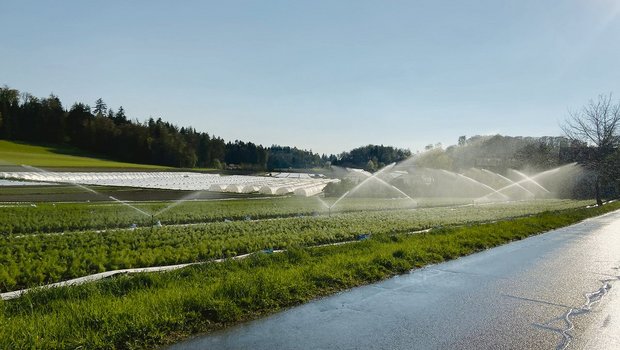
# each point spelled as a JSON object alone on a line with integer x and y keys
{"x": 100, "y": 108}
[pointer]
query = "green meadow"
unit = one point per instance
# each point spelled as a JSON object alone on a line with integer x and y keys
{"x": 17, "y": 153}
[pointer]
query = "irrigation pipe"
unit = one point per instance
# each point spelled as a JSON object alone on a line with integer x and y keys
{"x": 106, "y": 274}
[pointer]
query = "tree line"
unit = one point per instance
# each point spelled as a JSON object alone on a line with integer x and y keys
{"x": 112, "y": 134}
{"x": 371, "y": 157}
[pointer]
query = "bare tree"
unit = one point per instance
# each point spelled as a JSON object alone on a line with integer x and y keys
{"x": 597, "y": 126}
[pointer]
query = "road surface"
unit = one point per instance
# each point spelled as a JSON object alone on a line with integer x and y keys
{"x": 558, "y": 290}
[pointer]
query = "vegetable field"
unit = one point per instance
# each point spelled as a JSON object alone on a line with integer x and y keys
{"x": 31, "y": 257}
{"x": 147, "y": 310}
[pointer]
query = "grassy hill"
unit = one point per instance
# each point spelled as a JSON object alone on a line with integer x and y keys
{"x": 18, "y": 153}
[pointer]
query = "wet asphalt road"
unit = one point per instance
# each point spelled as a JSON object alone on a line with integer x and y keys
{"x": 553, "y": 291}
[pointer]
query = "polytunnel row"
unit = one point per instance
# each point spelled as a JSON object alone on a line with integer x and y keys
{"x": 181, "y": 181}
{"x": 296, "y": 175}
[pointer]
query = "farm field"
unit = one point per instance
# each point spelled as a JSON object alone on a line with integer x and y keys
{"x": 31, "y": 257}
{"x": 148, "y": 310}
{"x": 50, "y": 217}
{"x": 56, "y": 233}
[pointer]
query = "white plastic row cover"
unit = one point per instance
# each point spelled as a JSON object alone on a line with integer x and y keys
{"x": 302, "y": 186}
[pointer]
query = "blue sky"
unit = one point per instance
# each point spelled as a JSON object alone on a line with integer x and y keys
{"x": 321, "y": 75}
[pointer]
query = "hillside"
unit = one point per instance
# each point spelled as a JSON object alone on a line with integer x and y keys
{"x": 18, "y": 153}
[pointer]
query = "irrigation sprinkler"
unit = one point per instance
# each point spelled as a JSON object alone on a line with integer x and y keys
{"x": 329, "y": 207}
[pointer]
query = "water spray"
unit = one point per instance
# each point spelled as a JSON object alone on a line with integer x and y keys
{"x": 397, "y": 189}
{"x": 529, "y": 179}
{"x": 354, "y": 189}
{"x": 532, "y": 178}
{"x": 478, "y": 183}
{"x": 179, "y": 201}
{"x": 88, "y": 189}
{"x": 329, "y": 208}
{"x": 129, "y": 205}
{"x": 336, "y": 202}
{"x": 510, "y": 181}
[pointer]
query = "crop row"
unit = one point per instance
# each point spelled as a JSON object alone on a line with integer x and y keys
{"x": 31, "y": 260}
{"x": 60, "y": 217}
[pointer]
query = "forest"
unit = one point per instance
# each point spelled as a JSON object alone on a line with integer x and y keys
{"x": 113, "y": 134}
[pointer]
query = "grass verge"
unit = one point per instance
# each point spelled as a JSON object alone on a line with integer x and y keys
{"x": 146, "y": 310}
